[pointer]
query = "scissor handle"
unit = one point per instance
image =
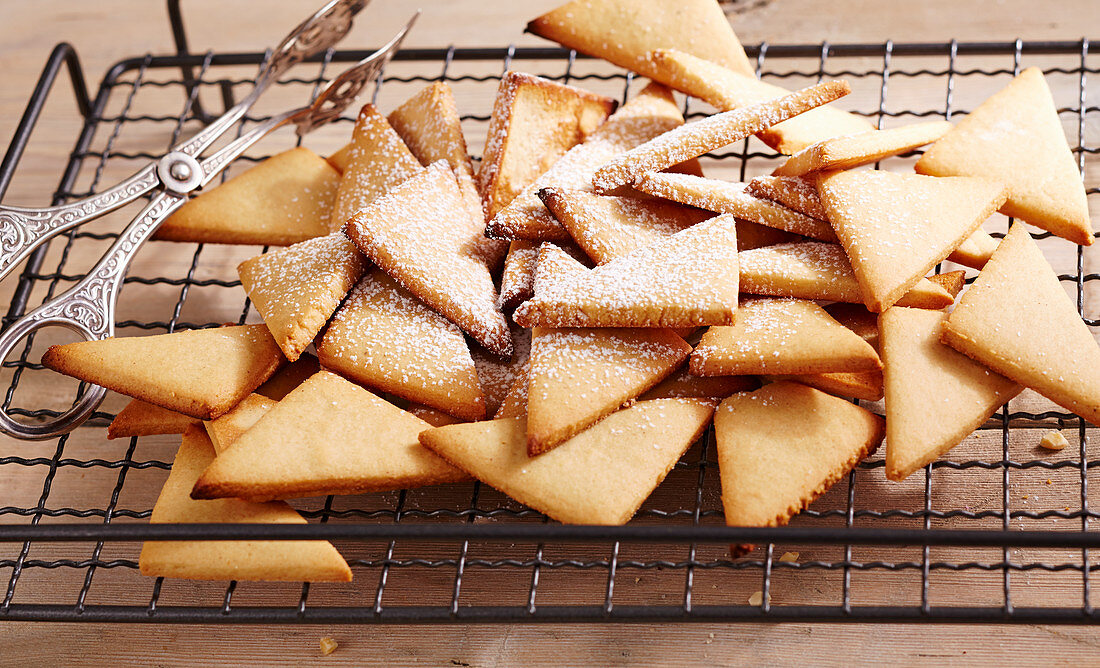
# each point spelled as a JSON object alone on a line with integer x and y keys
{"x": 87, "y": 308}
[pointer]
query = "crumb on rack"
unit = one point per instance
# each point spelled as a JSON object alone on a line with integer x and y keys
{"x": 1053, "y": 440}
{"x": 328, "y": 645}
{"x": 757, "y": 598}
{"x": 789, "y": 557}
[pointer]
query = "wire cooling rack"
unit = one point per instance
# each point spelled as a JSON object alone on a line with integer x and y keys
{"x": 998, "y": 530}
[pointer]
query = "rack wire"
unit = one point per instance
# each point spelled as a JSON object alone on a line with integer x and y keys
{"x": 995, "y": 531}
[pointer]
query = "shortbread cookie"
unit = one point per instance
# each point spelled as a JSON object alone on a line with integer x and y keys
{"x": 727, "y": 197}
{"x": 726, "y": 90}
{"x": 813, "y": 270}
{"x": 289, "y": 377}
{"x": 435, "y": 418}
{"x": 600, "y": 476}
{"x": 780, "y": 336}
{"x": 935, "y": 397}
{"x": 952, "y": 281}
{"x": 280, "y": 201}
{"x": 624, "y": 32}
{"x": 297, "y": 289}
{"x": 225, "y": 431}
{"x": 694, "y": 139}
{"x": 201, "y": 372}
{"x": 607, "y": 227}
{"x": 683, "y": 384}
{"x": 420, "y": 235}
{"x": 517, "y": 283}
{"x": 857, "y": 318}
{"x": 866, "y": 385}
{"x": 975, "y": 250}
{"x": 578, "y": 376}
{"x": 384, "y": 338}
{"x": 496, "y": 375}
{"x": 1017, "y": 320}
{"x": 378, "y": 162}
{"x": 340, "y": 159}
{"x": 784, "y": 445}
{"x": 794, "y": 192}
{"x": 651, "y": 112}
{"x": 863, "y": 148}
{"x": 534, "y": 122}
{"x": 514, "y": 403}
{"x": 329, "y": 436}
{"x": 1015, "y": 137}
{"x": 293, "y": 561}
{"x": 688, "y": 279}
{"x": 141, "y": 418}
{"x": 896, "y": 227}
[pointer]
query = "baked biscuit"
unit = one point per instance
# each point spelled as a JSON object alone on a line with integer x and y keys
{"x": 496, "y": 375}
{"x": 224, "y": 431}
{"x": 141, "y": 418}
{"x": 683, "y": 384}
{"x": 280, "y": 201}
{"x": 340, "y": 159}
{"x": 952, "y": 281}
{"x": 514, "y": 403}
{"x": 600, "y": 476}
{"x": 863, "y": 148}
{"x": 289, "y": 377}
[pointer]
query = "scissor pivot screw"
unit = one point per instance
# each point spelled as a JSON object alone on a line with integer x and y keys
{"x": 179, "y": 172}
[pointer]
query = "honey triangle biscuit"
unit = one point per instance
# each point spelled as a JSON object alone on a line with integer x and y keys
{"x": 378, "y": 161}
{"x": 794, "y": 192}
{"x": 686, "y": 280}
{"x": 600, "y": 476}
{"x": 695, "y": 139}
{"x": 896, "y": 227}
{"x": 952, "y": 281}
{"x": 784, "y": 445}
{"x": 975, "y": 250}
{"x": 534, "y": 122}
{"x": 863, "y": 148}
{"x": 1017, "y": 320}
{"x": 726, "y": 197}
{"x": 435, "y": 418}
{"x": 514, "y": 403}
{"x": 496, "y": 375}
{"x": 340, "y": 159}
{"x": 935, "y": 397}
{"x": 289, "y": 377}
{"x": 141, "y": 418}
{"x": 517, "y": 282}
{"x": 385, "y": 338}
{"x": 224, "y": 431}
{"x": 726, "y": 90}
{"x": 683, "y": 384}
{"x": 297, "y": 289}
{"x": 272, "y": 560}
{"x": 578, "y": 376}
{"x": 814, "y": 270}
{"x": 1015, "y": 137}
{"x": 201, "y": 372}
{"x": 624, "y": 32}
{"x": 780, "y": 336}
{"x": 420, "y": 235}
{"x": 329, "y": 436}
{"x": 280, "y": 201}
{"x": 650, "y": 113}
{"x": 607, "y": 227}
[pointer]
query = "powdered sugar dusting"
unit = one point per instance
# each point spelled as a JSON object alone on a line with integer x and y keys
{"x": 793, "y": 192}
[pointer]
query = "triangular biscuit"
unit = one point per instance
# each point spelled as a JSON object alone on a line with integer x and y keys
{"x": 726, "y": 90}
{"x": 496, "y": 375}
{"x": 863, "y": 148}
{"x": 514, "y": 403}
{"x": 952, "y": 281}
{"x": 975, "y": 250}
{"x": 859, "y": 384}
{"x": 378, "y": 161}
{"x": 141, "y": 418}
{"x": 600, "y": 476}
{"x": 935, "y": 397}
{"x": 607, "y": 227}
{"x": 1017, "y": 320}
{"x": 578, "y": 376}
{"x": 225, "y": 431}
{"x": 432, "y": 416}
{"x": 813, "y": 270}
{"x": 1015, "y": 137}
{"x": 624, "y": 32}
{"x": 793, "y": 192}
{"x": 329, "y": 436}
{"x": 420, "y": 234}
{"x": 340, "y": 159}
{"x": 517, "y": 281}
{"x": 648, "y": 114}
{"x": 779, "y": 336}
{"x": 534, "y": 122}
{"x": 296, "y": 289}
{"x": 200, "y": 372}
{"x": 289, "y": 377}
{"x": 280, "y": 201}
{"x": 896, "y": 227}
{"x": 273, "y": 560}
{"x": 695, "y": 139}
{"x": 685, "y": 280}
{"x": 784, "y": 445}
{"x": 384, "y": 338}
{"x": 727, "y": 197}
{"x": 683, "y": 384}
{"x": 857, "y": 318}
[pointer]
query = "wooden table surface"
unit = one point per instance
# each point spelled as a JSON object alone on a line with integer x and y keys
{"x": 108, "y": 30}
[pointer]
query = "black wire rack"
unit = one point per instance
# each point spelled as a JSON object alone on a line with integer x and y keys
{"x": 997, "y": 530}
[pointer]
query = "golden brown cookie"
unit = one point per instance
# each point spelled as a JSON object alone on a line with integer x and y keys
{"x": 293, "y": 561}
{"x": 578, "y": 376}
{"x": 432, "y": 416}
{"x": 340, "y": 159}
{"x": 140, "y": 418}
{"x": 517, "y": 283}
{"x": 384, "y": 338}
{"x": 896, "y": 227}
{"x": 514, "y": 403}
{"x": 860, "y": 384}
{"x": 289, "y": 377}
{"x": 935, "y": 397}
{"x": 975, "y": 250}
{"x": 794, "y": 192}
{"x": 952, "y": 281}
{"x": 495, "y": 374}
{"x": 280, "y": 201}
{"x": 600, "y": 476}
{"x": 329, "y": 436}
{"x": 683, "y": 384}
{"x": 863, "y": 148}
{"x": 1015, "y": 137}
{"x": 201, "y": 373}
{"x": 1018, "y": 320}
{"x": 225, "y": 431}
